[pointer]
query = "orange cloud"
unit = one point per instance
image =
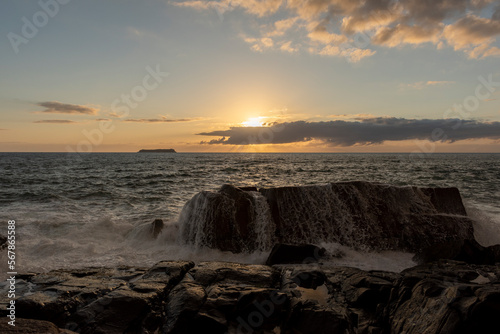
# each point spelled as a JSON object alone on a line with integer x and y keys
{"x": 474, "y": 35}
{"x": 386, "y": 23}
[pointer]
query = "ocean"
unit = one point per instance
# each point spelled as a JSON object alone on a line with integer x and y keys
{"x": 81, "y": 210}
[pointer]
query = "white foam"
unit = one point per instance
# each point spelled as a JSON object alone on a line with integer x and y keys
{"x": 486, "y": 223}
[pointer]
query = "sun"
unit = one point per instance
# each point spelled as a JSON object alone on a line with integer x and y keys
{"x": 254, "y": 122}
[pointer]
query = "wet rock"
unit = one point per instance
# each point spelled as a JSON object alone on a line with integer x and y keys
{"x": 210, "y": 273}
{"x": 446, "y": 297}
{"x": 100, "y": 300}
{"x": 156, "y": 227}
{"x": 183, "y": 304}
{"x": 308, "y": 279}
{"x": 219, "y": 220}
{"x": 364, "y": 214}
{"x": 445, "y": 200}
{"x": 241, "y": 298}
{"x": 443, "y": 296}
{"x": 313, "y": 319}
{"x": 472, "y": 252}
{"x": 469, "y": 251}
{"x": 356, "y": 214}
{"x": 3, "y": 242}
{"x": 286, "y": 253}
{"x": 30, "y": 326}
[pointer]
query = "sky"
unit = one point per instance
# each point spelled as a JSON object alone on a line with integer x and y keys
{"x": 250, "y": 76}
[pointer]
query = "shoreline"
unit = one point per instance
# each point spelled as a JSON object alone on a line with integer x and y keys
{"x": 224, "y": 297}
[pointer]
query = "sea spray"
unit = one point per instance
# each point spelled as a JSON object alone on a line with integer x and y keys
{"x": 62, "y": 223}
{"x": 263, "y": 224}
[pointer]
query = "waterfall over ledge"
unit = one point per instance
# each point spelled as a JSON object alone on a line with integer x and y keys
{"x": 362, "y": 215}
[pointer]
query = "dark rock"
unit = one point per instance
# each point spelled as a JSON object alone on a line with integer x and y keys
{"x": 161, "y": 150}
{"x": 469, "y": 251}
{"x": 183, "y": 304}
{"x": 219, "y": 220}
{"x": 446, "y": 200}
{"x": 443, "y": 296}
{"x": 317, "y": 320}
{"x": 362, "y": 215}
{"x": 103, "y": 300}
{"x": 30, "y": 326}
{"x": 249, "y": 188}
{"x": 446, "y": 297}
{"x": 305, "y": 253}
{"x": 495, "y": 252}
{"x": 210, "y": 273}
{"x": 472, "y": 252}
{"x": 156, "y": 227}
{"x": 3, "y": 242}
{"x": 308, "y": 279}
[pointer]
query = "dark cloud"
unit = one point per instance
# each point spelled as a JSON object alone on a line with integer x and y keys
{"x": 55, "y": 107}
{"x": 364, "y": 132}
{"x": 55, "y": 121}
{"x": 496, "y": 14}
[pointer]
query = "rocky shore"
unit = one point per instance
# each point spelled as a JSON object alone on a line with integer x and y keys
{"x": 214, "y": 297}
{"x": 455, "y": 289}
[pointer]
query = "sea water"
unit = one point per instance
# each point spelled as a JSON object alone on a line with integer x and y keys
{"x": 80, "y": 210}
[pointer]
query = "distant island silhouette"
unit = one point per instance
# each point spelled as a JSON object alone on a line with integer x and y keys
{"x": 163, "y": 150}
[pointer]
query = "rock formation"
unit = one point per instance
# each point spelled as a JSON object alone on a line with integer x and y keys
{"x": 362, "y": 215}
{"x": 162, "y": 150}
{"x": 215, "y": 297}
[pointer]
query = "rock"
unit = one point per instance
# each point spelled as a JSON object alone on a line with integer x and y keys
{"x": 446, "y": 297}
{"x": 472, "y": 252}
{"x": 218, "y": 220}
{"x": 284, "y": 253}
{"x": 446, "y": 200}
{"x": 30, "y": 326}
{"x": 103, "y": 300}
{"x": 361, "y": 215}
{"x": 315, "y": 320}
{"x": 156, "y": 227}
{"x": 183, "y": 304}
{"x": 469, "y": 251}
{"x": 368, "y": 215}
{"x": 443, "y": 296}
{"x": 210, "y": 273}
{"x": 309, "y": 279}
{"x": 3, "y": 242}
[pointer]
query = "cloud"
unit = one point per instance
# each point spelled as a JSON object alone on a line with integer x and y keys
{"x": 351, "y": 54}
{"x": 257, "y": 7}
{"x": 287, "y": 46}
{"x": 474, "y": 35}
{"x": 281, "y": 26}
{"x": 405, "y": 34}
{"x": 55, "y": 107}
{"x": 424, "y": 84}
{"x": 320, "y": 34}
{"x": 55, "y": 121}
{"x": 352, "y": 25}
{"x": 259, "y": 44}
{"x": 363, "y": 132}
{"x": 160, "y": 120}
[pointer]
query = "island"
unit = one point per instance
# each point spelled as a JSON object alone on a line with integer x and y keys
{"x": 168, "y": 150}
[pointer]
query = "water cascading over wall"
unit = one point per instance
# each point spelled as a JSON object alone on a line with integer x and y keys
{"x": 362, "y": 215}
